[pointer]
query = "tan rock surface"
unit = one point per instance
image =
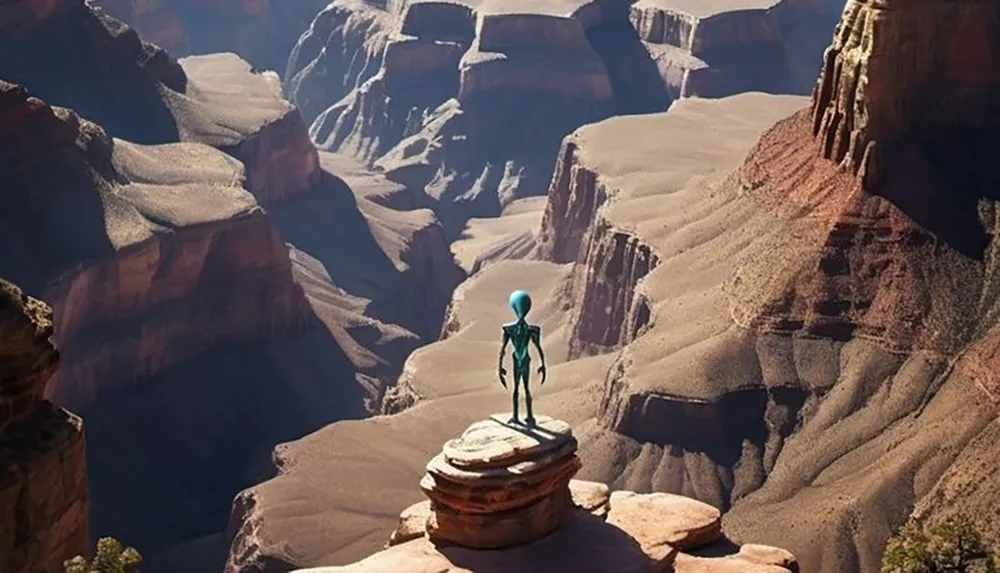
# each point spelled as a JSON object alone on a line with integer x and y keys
{"x": 43, "y": 479}
{"x": 521, "y": 493}
{"x": 658, "y": 519}
{"x": 590, "y": 496}
{"x": 412, "y": 523}
{"x": 495, "y": 442}
{"x": 579, "y": 544}
{"x": 732, "y": 564}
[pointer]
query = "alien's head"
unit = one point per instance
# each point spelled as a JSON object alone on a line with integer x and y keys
{"x": 521, "y": 303}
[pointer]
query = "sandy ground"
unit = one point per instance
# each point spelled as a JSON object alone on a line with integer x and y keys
{"x": 507, "y": 236}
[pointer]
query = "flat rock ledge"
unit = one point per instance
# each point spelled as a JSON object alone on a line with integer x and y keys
{"x": 502, "y": 498}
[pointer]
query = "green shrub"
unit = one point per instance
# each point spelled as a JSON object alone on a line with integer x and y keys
{"x": 954, "y": 546}
{"x": 110, "y": 557}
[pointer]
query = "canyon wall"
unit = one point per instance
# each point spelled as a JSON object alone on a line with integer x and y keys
{"x": 43, "y": 480}
{"x": 260, "y": 31}
{"x": 715, "y": 51}
{"x": 469, "y": 103}
{"x": 896, "y": 69}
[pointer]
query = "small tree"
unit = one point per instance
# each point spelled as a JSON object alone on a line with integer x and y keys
{"x": 954, "y": 546}
{"x": 110, "y": 557}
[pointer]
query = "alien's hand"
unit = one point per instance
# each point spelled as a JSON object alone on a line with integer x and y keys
{"x": 541, "y": 371}
{"x": 503, "y": 376}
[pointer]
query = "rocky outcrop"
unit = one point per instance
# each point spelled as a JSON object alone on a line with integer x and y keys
{"x": 43, "y": 481}
{"x": 500, "y": 484}
{"x": 479, "y": 482}
{"x": 147, "y": 253}
{"x": 241, "y": 111}
{"x": 470, "y": 102}
{"x": 731, "y": 47}
{"x": 877, "y": 83}
{"x": 340, "y": 51}
{"x": 260, "y": 31}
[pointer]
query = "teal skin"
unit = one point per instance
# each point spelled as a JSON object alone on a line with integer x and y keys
{"x": 520, "y": 334}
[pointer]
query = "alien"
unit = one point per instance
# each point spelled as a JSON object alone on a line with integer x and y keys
{"x": 519, "y": 333}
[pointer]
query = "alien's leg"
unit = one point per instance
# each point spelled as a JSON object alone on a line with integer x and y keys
{"x": 517, "y": 369}
{"x": 526, "y": 376}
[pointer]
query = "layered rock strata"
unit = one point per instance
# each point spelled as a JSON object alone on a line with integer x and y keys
{"x": 471, "y": 100}
{"x": 43, "y": 481}
{"x": 501, "y": 484}
{"x": 124, "y": 211}
{"x": 723, "y": 48}
{"x": 80, "y": 58}
{"x": 603, "y": 531}
{"x": 880, "y": 83}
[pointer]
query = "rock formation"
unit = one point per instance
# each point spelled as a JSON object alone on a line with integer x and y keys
{"x": 500, "y": 484}
{"x": 810, "y": 337}
{"x": 508, "y": 489}
{"x": 151, "y": 256}
{"x": 260, "y": 31}
{"x": 43, "y": 480}
{"x": 895, "y": 70}
{"x": 467, "y": 101}
{"x": 723, "y": 48}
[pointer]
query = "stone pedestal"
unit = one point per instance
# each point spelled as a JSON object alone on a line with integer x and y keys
{"x": 501, "y": 484}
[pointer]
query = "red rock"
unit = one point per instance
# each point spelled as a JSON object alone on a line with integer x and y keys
{"x": 501, "y": 484}
{"x": 43, "y": 481}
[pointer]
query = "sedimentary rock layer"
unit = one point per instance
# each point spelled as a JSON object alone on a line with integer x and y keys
{"x": 898, "y": 68}
{"x": 501, "y": 484}
{"x": 715, "y": 49}
{"x": 111, "y": 217}
{"x": 471, "y": 99}
{"x": 43, "y": 480}
{"x": 80, "y": 58}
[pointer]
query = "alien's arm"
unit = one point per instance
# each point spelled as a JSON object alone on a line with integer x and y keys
{"x": 503, "y": 346}
{"x": 536, "y": 338}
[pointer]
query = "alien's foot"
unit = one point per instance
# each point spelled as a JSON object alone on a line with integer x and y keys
{"x": 530, "y": 421}
{"x": 513, "y": 420}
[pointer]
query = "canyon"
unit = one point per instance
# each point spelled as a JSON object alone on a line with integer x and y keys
{"x": 778, "y": 305}
{"x": 501, "y": 84}
{"x": 286, "y": 286}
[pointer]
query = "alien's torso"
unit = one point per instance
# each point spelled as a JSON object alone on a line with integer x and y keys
{"x": 520, "y": 334}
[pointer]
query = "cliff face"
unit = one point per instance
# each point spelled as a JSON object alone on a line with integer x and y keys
{"x": 174, "y": 291}
{"x": 731, "y": 47}
{"x": 80, "y": 58}
{"x": 117, "y": 257}
{"x": 258, "y": 30}
{"x": 470, "y": 103}
{"x": 43, "y": 480}
{"x": 832, "y": 297}
{"x": 896, "y": 69}
{"x": 341, "y": 49}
